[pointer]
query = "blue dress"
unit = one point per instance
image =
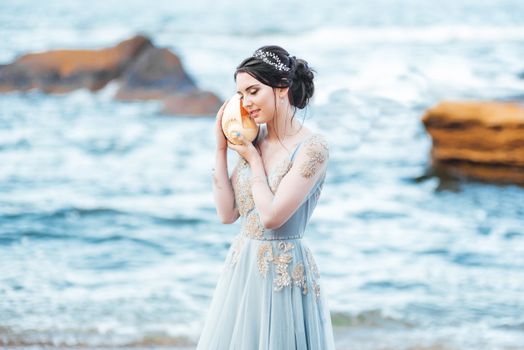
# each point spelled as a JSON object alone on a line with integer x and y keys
{"x": 268, "y": 296}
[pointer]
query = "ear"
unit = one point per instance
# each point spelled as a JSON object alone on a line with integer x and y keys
{"x": 282, "y": 92}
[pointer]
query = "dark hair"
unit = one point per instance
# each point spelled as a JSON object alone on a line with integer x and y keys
{"x": 298, "y": 77}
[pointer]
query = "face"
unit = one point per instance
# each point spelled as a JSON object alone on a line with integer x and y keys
{"x": 257, "y": 98}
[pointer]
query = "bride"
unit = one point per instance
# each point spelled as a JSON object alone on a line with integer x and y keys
{"x": 269, "y": 295}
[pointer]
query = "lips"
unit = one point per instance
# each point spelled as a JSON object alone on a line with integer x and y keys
{"x": 254, "y": 113}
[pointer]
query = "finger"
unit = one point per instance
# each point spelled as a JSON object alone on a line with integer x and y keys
{"x": 241, "y": 139}
{"x": 232, "y": 146}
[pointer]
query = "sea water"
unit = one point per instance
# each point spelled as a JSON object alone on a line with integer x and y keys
{"x": 108, "y": 231}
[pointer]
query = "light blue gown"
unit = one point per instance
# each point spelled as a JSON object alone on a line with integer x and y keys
{"x": 268, "y": 296}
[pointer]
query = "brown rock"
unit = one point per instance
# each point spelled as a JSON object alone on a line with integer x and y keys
{"x": 155, "y": 74}
{"x": 194, "y": 103}
{"x": 145, "y": 73}
{"x": 66, "y": 70}
{"x": 481, "y": 140}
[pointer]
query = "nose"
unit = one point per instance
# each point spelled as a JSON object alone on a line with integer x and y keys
{"x": 246, "y": 102}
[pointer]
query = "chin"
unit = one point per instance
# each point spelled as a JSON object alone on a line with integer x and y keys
{"x": 258, "y": 120}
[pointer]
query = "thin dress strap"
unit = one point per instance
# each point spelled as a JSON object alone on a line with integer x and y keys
{"x": 295, "y": 151}
{"x": 298, "y": 146}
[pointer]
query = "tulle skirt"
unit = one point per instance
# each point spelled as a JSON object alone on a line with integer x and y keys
{"x": 268, "y": 297}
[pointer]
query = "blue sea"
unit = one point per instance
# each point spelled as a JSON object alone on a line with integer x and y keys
{"x": 108, "y": 231}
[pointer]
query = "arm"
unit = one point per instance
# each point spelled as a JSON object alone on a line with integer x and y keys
{"x": 223, "y": 190}
{"x": 309, "y": 166}
{"x": 223, "y": 193}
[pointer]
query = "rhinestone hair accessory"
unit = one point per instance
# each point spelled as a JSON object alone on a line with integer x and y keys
{"x": 265, "y": 56}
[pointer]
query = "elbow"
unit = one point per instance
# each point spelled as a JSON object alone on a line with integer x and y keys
{"x": 228, "y": 219}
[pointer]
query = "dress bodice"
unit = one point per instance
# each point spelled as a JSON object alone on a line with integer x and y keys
{"x": 316, "y": 150}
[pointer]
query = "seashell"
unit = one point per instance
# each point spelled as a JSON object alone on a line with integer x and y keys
{"x": 237, "y": 119}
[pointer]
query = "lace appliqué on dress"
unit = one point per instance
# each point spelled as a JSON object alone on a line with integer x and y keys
{"x": 314, "y": 270}
{"x": 317, "y": 152}
{"x": 281, "y": 263}
{"x": 236, "y": 249}
{"x": 265, "y": 255}
{"x": 243, "y": 195}
{"x": 279, "y": 172}
{"x": 299, "y": 277}
{"x": 252, "y": 226}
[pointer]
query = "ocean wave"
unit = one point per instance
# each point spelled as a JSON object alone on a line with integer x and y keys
{"x": 369, "y": 319}
{"x": 519, "y": 327}
{"x": 86, "y": 338}
{"x": 78, "y": 212}
{"x": 475, "y": 259}
{"x": 61, "y": 213}
{"x": 340, "y": 36}
{"x": 382, "y": 285}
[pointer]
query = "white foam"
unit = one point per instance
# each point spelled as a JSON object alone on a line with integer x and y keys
{"x": 335, "y": 37}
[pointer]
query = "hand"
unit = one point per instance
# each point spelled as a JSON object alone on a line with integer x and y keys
{"x": 219, "y": 134}
{"x": 245, "y": 149}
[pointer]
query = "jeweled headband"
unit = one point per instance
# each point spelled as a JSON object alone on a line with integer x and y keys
{"x": 265, "y": 55}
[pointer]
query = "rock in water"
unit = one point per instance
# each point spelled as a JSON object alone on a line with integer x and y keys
{"x": 154, "y": 74}
{"x": 193, "y": 103}
{"x": 158, "y": 74}
{"x": 145, "y": 72}
{"x": 480, "y": 140}
{"x": 62, "y": 71}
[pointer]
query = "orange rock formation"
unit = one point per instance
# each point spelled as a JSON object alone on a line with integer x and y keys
{"x": 481, "y": 140}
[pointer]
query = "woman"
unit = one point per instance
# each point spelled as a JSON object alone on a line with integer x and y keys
{"x": 269, "y": 296}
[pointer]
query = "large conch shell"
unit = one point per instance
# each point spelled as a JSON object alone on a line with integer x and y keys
{"x": 236, "y": 119}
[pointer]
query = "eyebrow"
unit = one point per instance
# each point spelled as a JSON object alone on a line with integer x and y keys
{"x": 249, "y": 87}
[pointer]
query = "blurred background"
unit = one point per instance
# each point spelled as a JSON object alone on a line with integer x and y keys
{"x": 108, "y": 231}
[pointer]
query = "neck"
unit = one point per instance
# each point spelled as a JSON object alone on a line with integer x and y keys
{"x": 282, "y": 126}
